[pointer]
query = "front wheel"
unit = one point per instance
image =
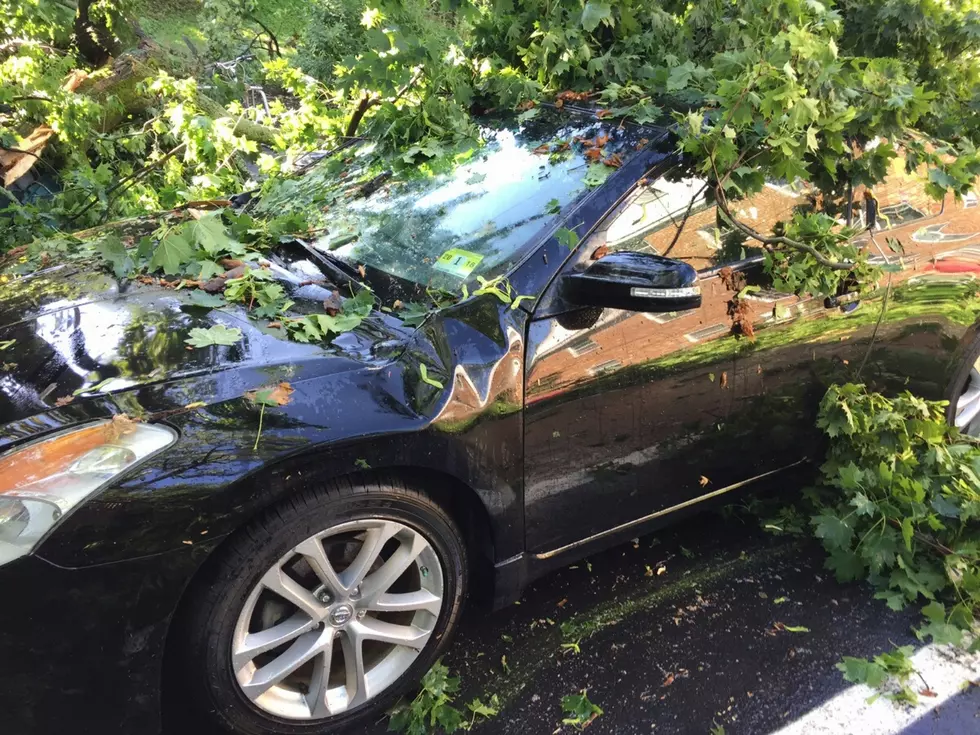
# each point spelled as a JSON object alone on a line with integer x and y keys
{"x": 323, "y": 612}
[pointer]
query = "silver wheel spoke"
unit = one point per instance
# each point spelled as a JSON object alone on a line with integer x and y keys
{"x": 378, "y": 582}
{"x": 312, "y": 550}
{"x": 966, "y": 413}
{"x": 399, "y": 635}
{"x": 292, "y": 591}
{"x": 302, "y": 650}
{"x": 407, "y": 601}
{"x": 298, "y": 618}
{"x": 317, "y": 697}
{"x": 968, "y": 406}
{"x": 265, "y": 640}
{"x": 374, "y": 540}
{"x": 354, "y": 663}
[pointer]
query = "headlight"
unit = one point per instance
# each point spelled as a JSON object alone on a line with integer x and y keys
{"x": 42, "y": 481}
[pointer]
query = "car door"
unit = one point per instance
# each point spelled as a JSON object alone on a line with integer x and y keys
{"x": 627, "y": 414}
{"x": 902, "y": 333}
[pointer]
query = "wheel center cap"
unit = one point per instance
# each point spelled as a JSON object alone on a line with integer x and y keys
{"x": 341, "y": 615}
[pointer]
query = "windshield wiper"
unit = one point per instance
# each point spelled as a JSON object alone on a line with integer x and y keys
{"x": 334, "y": 263}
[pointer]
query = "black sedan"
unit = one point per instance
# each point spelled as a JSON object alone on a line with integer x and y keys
{"x": 276, "y": 536}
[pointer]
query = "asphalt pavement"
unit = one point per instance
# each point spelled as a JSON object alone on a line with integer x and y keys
{"x": 689, "y": 630}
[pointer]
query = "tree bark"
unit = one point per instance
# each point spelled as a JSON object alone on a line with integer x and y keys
{"x": 95, "y": 42}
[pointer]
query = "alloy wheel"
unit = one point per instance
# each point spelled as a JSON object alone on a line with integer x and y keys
{"x": 337, "y": 620}
{"x": 967, "y": 417}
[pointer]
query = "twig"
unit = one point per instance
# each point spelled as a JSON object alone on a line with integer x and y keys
{"x": 16, "y": 43}
{"x": 770, "y": 241}
{"x": 272, "y": 36}
{"x": 690, "y": 206}
{"x": 874, "y": 334}
{"x": 135, "y": 176}
{"x": 368, "y": 101}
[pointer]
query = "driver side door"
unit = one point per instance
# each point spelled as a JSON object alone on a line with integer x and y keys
{"x": 625, "y": 412}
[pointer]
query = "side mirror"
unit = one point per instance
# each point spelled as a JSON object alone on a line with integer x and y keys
{"x": 634, "y": 282}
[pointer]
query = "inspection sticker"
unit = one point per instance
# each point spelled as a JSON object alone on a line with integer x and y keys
{"x": 459, "y": 263}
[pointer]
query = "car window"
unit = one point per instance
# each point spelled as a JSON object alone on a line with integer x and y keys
{"x": 671, "y": 216}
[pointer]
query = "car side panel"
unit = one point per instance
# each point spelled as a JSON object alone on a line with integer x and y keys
{"x": 906, "y": 334}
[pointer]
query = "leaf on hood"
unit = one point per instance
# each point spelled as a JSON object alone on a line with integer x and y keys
{"x": 275, "y": 395}
{"x": 120, "y": 426}
{"x": 424, "y": 371}
{"x": 219, "y": 334}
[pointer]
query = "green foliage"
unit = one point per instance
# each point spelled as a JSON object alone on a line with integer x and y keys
{"x": 218, "y": 334}
{"x": 889, "y": 673}
{"x": 579, "y": 710}
{"x": 569, "y": 238}
{"x": 432, "y": 709}
{"x": 904, "y": 505}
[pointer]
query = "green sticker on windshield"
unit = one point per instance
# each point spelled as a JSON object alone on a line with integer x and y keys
{"x": 459, "y": 263}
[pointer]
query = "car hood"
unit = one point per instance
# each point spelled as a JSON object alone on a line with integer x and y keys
{"x": 72, "y": 334}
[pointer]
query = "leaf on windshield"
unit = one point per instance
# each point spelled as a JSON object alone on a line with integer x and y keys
{"x": 202, "y": 298}
{"x": 113, "y": 252}
{"x": 413, "y": 313}
{"x": 219, "y": 334}
{"x": 209, "y": 232}
{"x": 171, "y": 253}
{"x": 596, "y": 175}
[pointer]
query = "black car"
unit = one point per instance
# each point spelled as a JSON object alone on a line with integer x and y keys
{"x": 552, "y": 367}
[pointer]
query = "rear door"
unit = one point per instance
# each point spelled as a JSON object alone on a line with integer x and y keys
{"x": 628, "y": 415}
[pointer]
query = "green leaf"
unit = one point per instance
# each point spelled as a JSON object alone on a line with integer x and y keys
{"x": 112, "y": 250}
{"x": 424, "y": 371}
{"x": 850, "y": 476}
{"x": 568, "y": 238}
{"x": 210, "y": 234}
{"x": 552, "y": 207}
{"x": 846, "y": 565}
{"x": 833, "y": 530}
{"x": 479, "y": 708}
{"x": 579, "y": 709}
{"x": 597, "y": 175}
{"x": 863, "y": 505}
{"x": 203, "y": 298}
{"x": 209, "y": 269}
{"x": 594, "y": 13}
{"x": 862, "y": 671}
{"x": 219, "y": 334}
{"x": 171, "y": 253}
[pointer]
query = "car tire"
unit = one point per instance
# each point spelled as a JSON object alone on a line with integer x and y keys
{"x": 963, "y": 393}
{"x": 248, "y": 598}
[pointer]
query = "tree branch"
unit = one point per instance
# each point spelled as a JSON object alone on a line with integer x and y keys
{"x": 132, "y": 178}
{"x": 368, "y": 101}
{"x": 272, "y": 36}
{"x": 16, "y": 43}
{"x": 770, "y": 241}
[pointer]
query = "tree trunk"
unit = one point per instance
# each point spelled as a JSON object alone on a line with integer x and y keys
{"x": 94, "y": 40}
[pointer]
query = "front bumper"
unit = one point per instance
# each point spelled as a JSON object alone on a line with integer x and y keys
{"x": 81, "y": 650}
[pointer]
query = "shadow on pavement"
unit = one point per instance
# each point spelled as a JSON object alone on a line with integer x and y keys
{"x": 678, "y": 632}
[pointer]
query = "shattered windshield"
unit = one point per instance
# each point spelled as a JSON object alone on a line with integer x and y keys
{"x": 473, "y": 214}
